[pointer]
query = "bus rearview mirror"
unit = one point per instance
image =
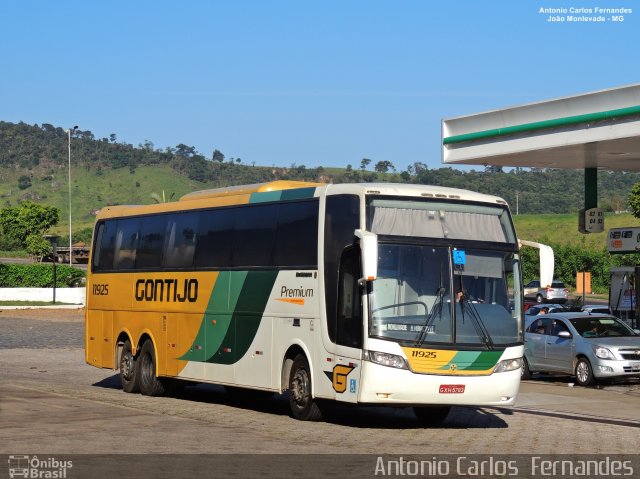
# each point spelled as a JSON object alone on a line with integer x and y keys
{"x": 369, "y": 250}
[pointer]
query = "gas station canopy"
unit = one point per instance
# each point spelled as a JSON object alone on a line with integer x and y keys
{"x": 598, "y": 130}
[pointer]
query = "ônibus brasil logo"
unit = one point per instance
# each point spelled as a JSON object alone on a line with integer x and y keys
{"x": 34, "y": 467}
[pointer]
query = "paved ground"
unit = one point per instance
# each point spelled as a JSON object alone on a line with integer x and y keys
{"x": 53, "y": 403}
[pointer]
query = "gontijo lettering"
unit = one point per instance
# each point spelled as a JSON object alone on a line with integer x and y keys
{"x": 168, "y": 290}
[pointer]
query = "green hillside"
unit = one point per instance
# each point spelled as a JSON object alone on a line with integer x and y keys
{"x": 563, "y": 228}
{"x": 89, "y": 193}
{"x": 34, "y": 166}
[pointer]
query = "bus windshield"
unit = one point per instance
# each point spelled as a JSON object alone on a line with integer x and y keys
{"x": 440, "y": 294}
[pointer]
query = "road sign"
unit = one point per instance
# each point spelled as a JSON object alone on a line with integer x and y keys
{"x": 591, "y": 220}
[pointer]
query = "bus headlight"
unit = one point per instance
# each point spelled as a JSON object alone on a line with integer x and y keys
{"x": 385, "y": 359}
{"x": 508, "y": 365}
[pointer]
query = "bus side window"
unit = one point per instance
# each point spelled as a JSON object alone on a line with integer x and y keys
{"x": 215, "y": 233}
{"x": 104, "y": 248}
{"x": 126, "y": 244}
{"x": 151, "y": 238}
{"x": 341, "y": 219}
{"x": 97, "y": 248}
{"x": 180, "y": 240}
{"x": 349, "y": 300}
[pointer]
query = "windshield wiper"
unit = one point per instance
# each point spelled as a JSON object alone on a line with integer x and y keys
{"x": 437, "y": 308}
{"x": 480, "y": 327}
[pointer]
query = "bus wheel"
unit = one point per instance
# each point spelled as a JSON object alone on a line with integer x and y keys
{"x": 431, "y": 415}
{"x": 150, "y": 385}
{"x": 128, "y": 369}
{"x": 302, "y": 405}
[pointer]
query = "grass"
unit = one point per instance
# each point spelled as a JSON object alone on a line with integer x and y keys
{"x": 35, "y": 303}
{"x": 13, "y": 254}
{"x": 90, "y": 192}
{"x": 563, "y": 228}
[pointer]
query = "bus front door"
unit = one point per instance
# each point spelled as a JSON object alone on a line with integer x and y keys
{"x": 349, "y": 329}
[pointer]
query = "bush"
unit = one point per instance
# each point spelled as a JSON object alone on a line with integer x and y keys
{"x": 37, "y": 246}
{"x": 571, "y": 259}
{"x": 39, "y": 276}
{"x": 24, "y": 182}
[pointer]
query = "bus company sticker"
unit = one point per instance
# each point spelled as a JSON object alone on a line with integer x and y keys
{"x": 339, "y": 377}
{"x": 451, "y": 389}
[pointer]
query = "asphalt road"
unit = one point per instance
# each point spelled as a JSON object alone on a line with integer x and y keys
{"x": 51, "y": 402}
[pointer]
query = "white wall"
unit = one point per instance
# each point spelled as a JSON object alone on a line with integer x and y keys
{"x": 63, "y": 295}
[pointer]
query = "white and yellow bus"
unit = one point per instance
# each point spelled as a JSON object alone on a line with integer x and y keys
{"x": 395, "y": 295}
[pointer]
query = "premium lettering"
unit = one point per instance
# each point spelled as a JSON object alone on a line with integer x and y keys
{"x": 300, "y": 292}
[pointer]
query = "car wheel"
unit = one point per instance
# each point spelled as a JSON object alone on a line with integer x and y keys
{"x": 584, "y": 372}
{"x": 539, "y": 298}
{"x": 526, "y": 372}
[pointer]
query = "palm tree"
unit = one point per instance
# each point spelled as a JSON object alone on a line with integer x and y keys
{"x": 161, "y": 199}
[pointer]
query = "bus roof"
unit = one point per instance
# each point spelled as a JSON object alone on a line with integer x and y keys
{"x": 282, "y": 190}
{"x": 248, "y": 189}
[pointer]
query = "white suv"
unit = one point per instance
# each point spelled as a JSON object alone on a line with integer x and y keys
{"x": 554, "y": 293}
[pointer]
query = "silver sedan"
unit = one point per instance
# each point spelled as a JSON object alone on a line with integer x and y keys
{"x": 587, "y": 346}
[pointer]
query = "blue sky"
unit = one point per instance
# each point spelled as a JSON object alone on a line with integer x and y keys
{"x": 306, "y": 82}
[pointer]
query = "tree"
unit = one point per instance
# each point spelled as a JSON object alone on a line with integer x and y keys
{"x": 419, "y": 167}
{"x": 364, "y": 163}
{"x": 29, "y": 218}
{"x": 185, "y": 151}
{"x": 217, "y": 156}
{"x": 634, "y": 200}
{"x": 161, "y": 199}
{"x": 384, "y": 166}
{"x": 37, "y": 247}
{"x": 493, "y": 169}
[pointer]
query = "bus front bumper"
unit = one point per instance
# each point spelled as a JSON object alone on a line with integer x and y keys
{"x": 400, "y": 387}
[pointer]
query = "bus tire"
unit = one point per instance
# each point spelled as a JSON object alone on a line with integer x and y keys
{"x": 301, "y": 402}
{"x": 150, "y": 385}
{"x": 526, "y": 372}
{"x": 128, "y": 369}
{"x": 431, "y": 415}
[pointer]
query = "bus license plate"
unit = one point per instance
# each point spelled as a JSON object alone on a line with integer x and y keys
{"x": 451, "y": 389}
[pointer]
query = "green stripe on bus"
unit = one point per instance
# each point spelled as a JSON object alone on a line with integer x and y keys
{"x": 462, "y": 360}
{"x": 298, "y": 194}
{"x": 218, "y": 315}
{"x": 246, "y": 317}
{"x": 485, "y": 360}
{"x": 282, "y": 195}
{"x": 473, "y": 360}
{"x": 265, "y": 196}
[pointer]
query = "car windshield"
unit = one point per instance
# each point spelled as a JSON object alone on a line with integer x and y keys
{"x": 594, "y": 327}
{"x": 412, "y": 300}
